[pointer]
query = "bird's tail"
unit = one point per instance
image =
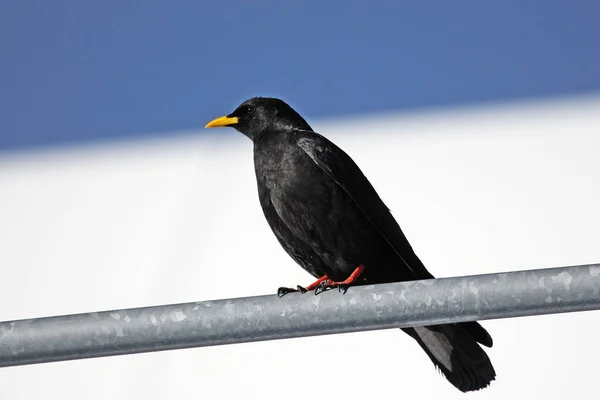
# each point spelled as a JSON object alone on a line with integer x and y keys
{"x": 454, "y": 349}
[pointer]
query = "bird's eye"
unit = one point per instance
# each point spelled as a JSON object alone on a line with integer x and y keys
{"x": 249, "y": 109}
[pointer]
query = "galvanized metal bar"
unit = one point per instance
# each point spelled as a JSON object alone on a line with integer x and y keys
{"x": 209, "y": 323}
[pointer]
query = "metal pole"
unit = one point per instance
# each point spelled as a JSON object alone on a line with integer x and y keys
{"x": 210, "y": 323}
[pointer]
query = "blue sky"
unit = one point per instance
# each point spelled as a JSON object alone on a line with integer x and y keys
{"x": 73, "y": 71}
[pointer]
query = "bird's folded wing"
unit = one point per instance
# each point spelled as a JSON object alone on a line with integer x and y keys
{"x": 344, "y": 171}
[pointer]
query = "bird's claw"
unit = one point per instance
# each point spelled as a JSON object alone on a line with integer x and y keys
{"x": 343, "y": 288}
{"x": 329, "y": 284}
{"x": 321, "y": 287}
{"x": 301, "y": 289}
{"x": 282, "y": 291}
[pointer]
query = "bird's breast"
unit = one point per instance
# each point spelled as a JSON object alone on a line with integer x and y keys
{"x": 284, "y": 168}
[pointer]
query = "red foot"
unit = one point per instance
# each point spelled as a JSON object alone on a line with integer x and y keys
{"x": 316, "y": 283}
{"x": 326, "y": 284}
{"x": 282, "y": 291}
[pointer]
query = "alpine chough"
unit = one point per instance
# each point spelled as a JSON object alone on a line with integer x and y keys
{"x": 331, "y": 221}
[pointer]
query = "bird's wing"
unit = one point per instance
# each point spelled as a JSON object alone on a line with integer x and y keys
{"x": 344, "y": 171}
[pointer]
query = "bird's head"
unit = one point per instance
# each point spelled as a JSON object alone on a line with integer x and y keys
{"x": 261, "y": 115}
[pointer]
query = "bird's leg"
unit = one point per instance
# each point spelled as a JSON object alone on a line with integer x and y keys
{"x": 282, "y": 291}
{"x": 327, "y": 284}
{"x": 314, "y": 284}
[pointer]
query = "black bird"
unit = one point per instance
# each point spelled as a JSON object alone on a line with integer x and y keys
{"x": 330, "y": 220}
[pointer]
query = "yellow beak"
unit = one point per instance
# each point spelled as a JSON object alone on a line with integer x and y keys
{"x": 222, "y": 121}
